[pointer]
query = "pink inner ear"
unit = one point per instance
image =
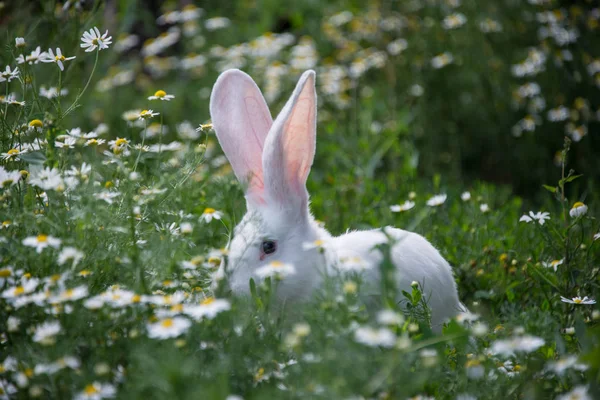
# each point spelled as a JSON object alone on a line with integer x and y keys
{"x": 253, "y": 164}
{"x": 299, "y": 143}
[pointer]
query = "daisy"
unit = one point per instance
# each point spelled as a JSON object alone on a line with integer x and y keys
{"x": 540, "y": 217}
{"x": 454, "y": 21}
{"x": 41, "y": 241}
{"x": 275, "y": 269}
{"x": 147, "y": 114}
{"x": 58, "y": 58}
{"x": 46, "y": 332}
{"x": 465, "y": 196}
{"x": 553, "y": 264}
{"x": 11, "y": 155}
{"x": 118, "y": 145}
{"x": 168, "y": 328}
{"x": 389, "y": 317}
{"x": 94, "y": 142}
{"x": 437, "y": 200}
{"x": 524, "y": 344}
{"x": 317, "y": 244}
{"x": 375, "y": 337}
{"x": 69, "y": 254}
{"x": 441, "y": 60}
{"x": 208, "y": 308}
{"x": 352, "y": 263}
{"x": 27, "y": 286}
{"x": 97, "y": 391}
{"x": 76, "y": 293}
{"x": 209, "y": 214}
{"x": 92, "y": 40}
{"x": 597, "y": 236}
{"x": 8, "y": 74}
{"x": 578, "y": 393}
{"x": 578, "y": 300}
{"x": 68, "y": 143}
{"x": 20, "y": 42}
{"x": 8, "y": 178}
{"x": 107, "y": 196}
{"x": 47, "y": 179}
{"x": 559, "y": 367}
{"x": 36, "y": 56}
{"x": 578, "y": 210}
{"x": 407, "y": 205}
{"x": 161, "y": 95}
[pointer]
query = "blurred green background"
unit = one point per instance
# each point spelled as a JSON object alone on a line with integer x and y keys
{"x": 467, "y": 89}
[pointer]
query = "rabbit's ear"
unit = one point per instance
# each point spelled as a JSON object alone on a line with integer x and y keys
{"x": 290, "y": 148}
{"x": 241, "y": 120}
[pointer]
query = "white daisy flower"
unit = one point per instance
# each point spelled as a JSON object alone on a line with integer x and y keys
{"x": 441, "y": 60}
{"x": 147, "y": 114}
{"x": 597, "y": 236}
{"x": 208, "y": 308}
{"x": 275, "y": 269}
{"x": 437, "y": 200}
{"x": 540, "y": 217}
{"x": 578, "y": 393}
{"x": 484, "y": 208}
{"x": 168, "y": 328}
{"x": 67, "y": 143}
{"x": 161, "y": 95}
{"x": 20, "y": 42}
{"x": 69, "y": 254}
{"x": 553, "y": 264}
{"x": 465, "y": 196}
{"x": 389, "y": 317}
{"x": 209, "y": 214}
{"x": 46, "y": 332}
{"x": 26, "y": 287}
{"x": 97, "y": 391}
{"x": 73, "y": 294}
{"x": 92, "y": 40}
{"x": 9, "y": 74}
{"x": 375, "y": 337}
{"x": 59, "y": 58}
{"x": 525, "y": 344}
{"x": 578, "y": 210}
{"x": 52, "y": 92}
{"x": 317, "y": 244}
{"x": 118, "y": 145}
{"x": 560, "y": 366}
{"x": 407, "y": 205}
{"x": 578, "y": 300}
{"x": 107, "y": 196}
{"x": 47, "y": 179}
{"x": 454, "y": 21}
{"x": 41, "y": 241}
{"x": 8, "y": 178}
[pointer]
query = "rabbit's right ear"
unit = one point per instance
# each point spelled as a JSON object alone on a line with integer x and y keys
{"x": 241, "y": 120}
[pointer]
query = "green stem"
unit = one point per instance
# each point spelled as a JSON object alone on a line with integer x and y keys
{"x": 74, "y": 105}
{"x": 137, "y": 160}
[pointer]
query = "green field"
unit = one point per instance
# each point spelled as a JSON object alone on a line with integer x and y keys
{"x": 475, "y": 124}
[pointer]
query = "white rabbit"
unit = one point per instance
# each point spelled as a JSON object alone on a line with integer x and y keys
{"x": 272, "y": 159}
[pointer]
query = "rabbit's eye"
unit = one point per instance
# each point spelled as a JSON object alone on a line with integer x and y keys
{"x": 269, "y": 246}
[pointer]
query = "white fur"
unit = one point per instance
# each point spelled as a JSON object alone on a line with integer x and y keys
{"x": 273, "y": 159}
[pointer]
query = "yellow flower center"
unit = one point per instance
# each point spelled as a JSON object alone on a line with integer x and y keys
{"x": 577, "y": 301}
{"x": 55, "y": 277}
{"x": 36, "y": 123}
{"x": 136, "y": 298}
{"x": 42, "y": 238}
{"x": 12, "y": 152}
{"x": 19, "y": 290}
{"x": 95, "y": 41}
{"x": 160, "y": 93}
{"x": 85, "y": 272}
{"x": 5, "y": 273}
{"x": 59, "y": 58}
{"x": 24, "y": 173}
{"x": 209, "y": 210}
{"x": 555, "y": 262}
{"x": 120, "y": 141}
{"x": 167, "y": 323}
{"x": 319, "y": 242}
{"x": 276, "y": 264}
{"x": 214, "y": 260}
{"x": 6, "y": 223}
{"x": 92, "y": 141}
{"x": 207, "y": 301}
{"x": 90, "y": 390}
{"x": 69, "y": 293}
{"x": 177, "y": 308}
{"x": 578, "y": 204}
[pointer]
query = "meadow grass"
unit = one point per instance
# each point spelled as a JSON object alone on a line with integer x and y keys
{"x": 117, "y": 205}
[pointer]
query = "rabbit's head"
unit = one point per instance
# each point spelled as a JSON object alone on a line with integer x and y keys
{"x": 272, "y": 160}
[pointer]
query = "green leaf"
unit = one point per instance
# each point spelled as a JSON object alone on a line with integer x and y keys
{"x": 551, "y": 189}
{"x": 33, "y": 158}
{"x": 572, "y": 178}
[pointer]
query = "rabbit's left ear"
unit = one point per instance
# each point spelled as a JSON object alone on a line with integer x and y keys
{"x": 290, "y": 148}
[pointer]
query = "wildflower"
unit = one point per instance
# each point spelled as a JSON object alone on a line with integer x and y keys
{"x": 26, "y": 287}
{"x": 46, "y": 332}
{"x": 208, "y": 308}
{"x": 76, "y": 293}
{"x": 317, "y": 244}
{"x": 168, "y": 328}
{"x": 352, "y": 262}
{"x": 465, "y": 196}
{"x": 553, "y": 264}
{"x": 161, "y": 95}
{"x": 147, "y": 114}
{"x": 375, "y": 337}
{"x": 47, "y": 179}
{"x": 204, "y": 127}
{"x": 560, "y": 113}
{"x": 578, "y": 210}
{"x": 11, "y": 155}
{"x": 13, "y": 323}
{"x": 107, "y": 196}
{"x": 59, "y": 58}
{"x": 92, "y": 40}
{"x": 350, "y": 287}
{"x": 20, "y": 42}
{"x": 210, "y": 213}
{"x": 578, "y": 300}
{"x": 52, "y": 92}
{"x": 397, "y": 46}
{"x": 8, "y": 178}
{"x": 540, "y": 217}
{"x": 186, "y": 227}
{"x": 484, "y": 208}
{"x": 68, "y": 143}
{"x": 597, "y": 236}
{"x": 275, "y": 269}
{"x": 94, "y": 142}
{"x": 212, "y": 24}
{"x": 34, "y": 57}
{"x": 8, "y": 74}
{"x": 454, "y": 21}
{"x": 407, "y": 205}
{"x": 389, "y": 317}
{"x": 560, "y": 366}
{"x": 97, "y": 391}
{"x": 118, "y": 145}
{"x": 41, "y": 241}
{"x": 441, "y": 60}
{"x": 578, "y": 393}
{"x": 70, "y": 254}
{"x": 524, "y": 344}
{"x": 437, "y": 200}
